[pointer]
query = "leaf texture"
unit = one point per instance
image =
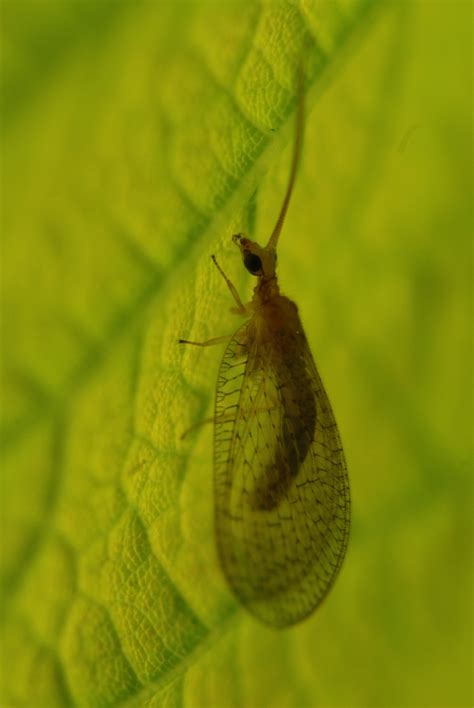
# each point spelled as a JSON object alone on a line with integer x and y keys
{"x": 136, "y": 138}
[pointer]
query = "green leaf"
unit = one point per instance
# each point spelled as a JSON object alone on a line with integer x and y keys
{"x": 137, "y": 138}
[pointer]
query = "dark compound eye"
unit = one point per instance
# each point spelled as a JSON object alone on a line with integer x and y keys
{"x": 252, "y": 263}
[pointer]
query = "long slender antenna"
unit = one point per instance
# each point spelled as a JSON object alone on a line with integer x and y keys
{"x": 299, "y": 130}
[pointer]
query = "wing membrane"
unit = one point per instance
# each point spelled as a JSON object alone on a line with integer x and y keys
{"x": 281, "y": 486}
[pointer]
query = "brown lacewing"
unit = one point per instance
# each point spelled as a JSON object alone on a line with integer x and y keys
{"x": 282, "y": 505}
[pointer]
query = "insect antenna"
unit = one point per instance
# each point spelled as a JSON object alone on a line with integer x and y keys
{"x": 298, "y": 143}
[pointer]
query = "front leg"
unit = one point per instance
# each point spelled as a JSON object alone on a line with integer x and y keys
{"x": 241, "y": 309}
{"x": 208, "y": 342}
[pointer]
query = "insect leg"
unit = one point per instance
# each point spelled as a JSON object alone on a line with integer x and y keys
{"x": 208, "y": 342}
{"x": 240, "y": 306}
{"x": 213, "y": 419}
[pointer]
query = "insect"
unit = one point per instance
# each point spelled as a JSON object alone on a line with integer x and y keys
{"x": 282, "y": 504}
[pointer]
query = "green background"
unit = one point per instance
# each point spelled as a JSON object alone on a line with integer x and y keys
{"x": 138, "y": 137}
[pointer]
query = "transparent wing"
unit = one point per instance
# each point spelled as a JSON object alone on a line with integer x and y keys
{"x": 281, "y": 488}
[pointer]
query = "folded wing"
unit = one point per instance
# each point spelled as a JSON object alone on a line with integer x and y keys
{"x": 281, "y": 488}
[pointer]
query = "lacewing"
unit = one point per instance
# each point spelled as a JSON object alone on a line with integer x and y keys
{"x": 282, "y": 504}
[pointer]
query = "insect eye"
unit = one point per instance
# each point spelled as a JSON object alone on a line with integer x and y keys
{"x": 252, "y": 263}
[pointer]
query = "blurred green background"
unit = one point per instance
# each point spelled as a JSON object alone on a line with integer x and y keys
{"x": 137, "y": 137}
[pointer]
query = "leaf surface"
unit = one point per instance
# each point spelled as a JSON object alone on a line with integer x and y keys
{"x": 137, "y": 138}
